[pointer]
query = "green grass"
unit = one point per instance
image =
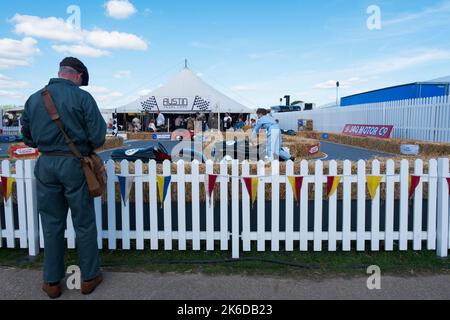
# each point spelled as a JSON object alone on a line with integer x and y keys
{"x": 292, "y": 264}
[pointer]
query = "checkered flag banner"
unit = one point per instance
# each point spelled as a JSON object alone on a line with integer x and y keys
{"x": 115, "y": 128}
{"x": 201, "y": 104}
{"x": 149, "y": 104}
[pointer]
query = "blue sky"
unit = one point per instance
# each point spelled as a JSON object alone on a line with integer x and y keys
{"x": 253, "y": 50}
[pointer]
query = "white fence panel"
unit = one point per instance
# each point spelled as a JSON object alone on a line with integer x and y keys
{"x": 421, "y": 119}
{"x": 20, "y": 211}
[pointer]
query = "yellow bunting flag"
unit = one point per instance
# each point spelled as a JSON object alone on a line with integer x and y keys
{"x": 373, "y": 183}
{"x": 296, "y": 184}
{"x": 252, "y": 188}
{"x": 7, "y": 183}
{"x": 332, "y": 185}
{"x": 163, "y": 187}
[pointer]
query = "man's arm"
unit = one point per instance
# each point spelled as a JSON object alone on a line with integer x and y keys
{"x": 258, "y": 127}
{"x": 95, "y": 124}
{"x": 26, "y": 132}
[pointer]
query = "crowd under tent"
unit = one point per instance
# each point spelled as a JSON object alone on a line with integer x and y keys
{"x": 185, "y": 94}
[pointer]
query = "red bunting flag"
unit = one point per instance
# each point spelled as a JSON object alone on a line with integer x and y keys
{"x": 296, "y": 183}
{"x": 211, "y": 186}
{"x": 332, "y": 185}
{"x": 7, "y": 184}
{"x": 448, "y": 181}
{"x": 414, "y": 182}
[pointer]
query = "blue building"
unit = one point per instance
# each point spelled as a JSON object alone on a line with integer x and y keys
{"x": 407, "y": 91}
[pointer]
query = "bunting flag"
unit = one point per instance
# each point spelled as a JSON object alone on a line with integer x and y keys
{"x": 125, "y": 184}
{"x": 163, "y": 187}
{"x": 252, "y": 188}
{"x": 413, "y": 184}
{"x": 448, "y": 181}
{"x": 211, "y": 185}
{"x": 296, "y": 184}
{"x": 7, "y": 183}
{"x": 332, "y": 185}
{"x": 373, "y": 183}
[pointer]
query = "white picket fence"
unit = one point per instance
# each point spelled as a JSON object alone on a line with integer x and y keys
{"x": 426, "y": 119}
{"x": 22, "y": 226}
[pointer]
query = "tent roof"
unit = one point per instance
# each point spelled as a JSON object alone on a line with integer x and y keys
{"x": 189, "y": 87}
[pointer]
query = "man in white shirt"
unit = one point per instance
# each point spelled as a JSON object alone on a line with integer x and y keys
{"x": 160, "y": 120}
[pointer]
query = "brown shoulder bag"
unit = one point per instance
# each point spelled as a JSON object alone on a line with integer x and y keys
{"x": 93, "y": 166}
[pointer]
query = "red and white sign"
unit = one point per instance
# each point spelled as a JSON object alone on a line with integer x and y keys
{"x": 23, "y": 152}
{"x": 313, "y": 150}
{"x": 373, "y": 131}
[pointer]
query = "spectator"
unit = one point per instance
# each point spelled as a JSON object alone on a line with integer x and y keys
{"x": 151, "y": 126}
{"x": 160, "y": 121}
{"x": 179, "y": 121}
{"x": 227, "y": 122}
{"x": 190, "y": 123}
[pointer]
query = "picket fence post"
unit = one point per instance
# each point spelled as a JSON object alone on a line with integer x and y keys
{"x": 443, "y": 210}
{"x": 32, "y": 211}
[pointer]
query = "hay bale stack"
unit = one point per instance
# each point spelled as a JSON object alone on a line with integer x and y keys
{"x": 391, "y": 146}
{"x": 111, "y": 143}
{"x": 140, "y": 136}
{"x": 299, "y": 147}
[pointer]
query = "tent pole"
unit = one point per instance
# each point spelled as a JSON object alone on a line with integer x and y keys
{"x": 218, "y": 119}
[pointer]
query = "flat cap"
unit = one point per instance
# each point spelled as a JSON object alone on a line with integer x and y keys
{"x": 77, "y": 65}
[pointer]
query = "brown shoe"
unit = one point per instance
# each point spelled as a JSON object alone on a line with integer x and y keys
{"x": 53, "y": 292}
{"x": 87, "y": 287}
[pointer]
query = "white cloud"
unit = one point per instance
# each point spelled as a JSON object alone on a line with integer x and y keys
{"x": 48, "y": 28}
{"x": 369, "y": 70}
{"x": 145, "y": 92}
{"x": 115, "y": 40}
{"x": 80, "y": 50}
{"x": 345, "y": 84}
{"x": 15, "y": 53}
{"x": 57, "y": 29}
{"x": 406, "y": 60}
{"x": 103, "y": 95}
{"x": 265, "y": 55}
{"x": 9, "y": 83}
{"x": 244, "y": 87}
{"x": 120, "y": 9}
{"x": 11, "y": 95}
{"x": 122, "y": 74}
{"x": 442, "y": 8}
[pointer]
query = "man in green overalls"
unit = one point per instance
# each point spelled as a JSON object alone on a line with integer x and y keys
{"x": 61, "y": 184}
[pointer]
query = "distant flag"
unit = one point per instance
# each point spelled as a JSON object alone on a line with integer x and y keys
{"x": 413, "y": 184}
{"x": 332, "y": 185}
{"x": 296, "y": 184}
{"x": 448, "y": 181}
{"x": 373, "y": 183}
{"x": 7, "y": 183}
{"x": 200, "y": 104}
{"x": 125, "y": 184}
{"x": 252, "y": 188}
{"x": 149, "y": 104}
{"x": 211, "y": 184}
{"x": 163, "y": 187}
{"x": 115, "y": 126}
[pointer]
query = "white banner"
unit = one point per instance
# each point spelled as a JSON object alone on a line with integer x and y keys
{"x": 176, "y": 104}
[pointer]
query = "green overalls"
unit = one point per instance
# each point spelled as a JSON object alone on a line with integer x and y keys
{"x": 60, "y": 179}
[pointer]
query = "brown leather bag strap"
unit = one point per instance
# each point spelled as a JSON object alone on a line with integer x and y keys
{"x": 54, "y": 115}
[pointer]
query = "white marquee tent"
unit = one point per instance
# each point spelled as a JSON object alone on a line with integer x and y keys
{"x": 185, "y": 93}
